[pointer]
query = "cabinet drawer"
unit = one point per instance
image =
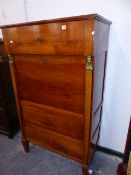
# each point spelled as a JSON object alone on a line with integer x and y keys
{"x": 52, "y": 81}
{"x": 52, "y": 38}
{"x": 57, "y": 120}
{"x": 53, "y": 141}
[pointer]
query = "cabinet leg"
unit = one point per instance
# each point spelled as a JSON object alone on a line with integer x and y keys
{"x": 25, "y": 145}
{"x": 85, "y": 169}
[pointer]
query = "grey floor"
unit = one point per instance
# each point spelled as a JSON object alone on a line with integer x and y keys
{"x": 14, "y": 161}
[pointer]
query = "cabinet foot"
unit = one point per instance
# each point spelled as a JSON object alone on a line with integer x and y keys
{"x": 25, "y": 145}
{"x": 121, "y": 170}
{"x": 85, "y": 169}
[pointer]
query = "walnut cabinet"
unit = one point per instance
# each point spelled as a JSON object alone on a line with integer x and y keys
{"x": 58, "y": 70}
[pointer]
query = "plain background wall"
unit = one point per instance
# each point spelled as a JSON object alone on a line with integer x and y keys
{"x": 11, "y": 11}
{"x": 117, "y": 96}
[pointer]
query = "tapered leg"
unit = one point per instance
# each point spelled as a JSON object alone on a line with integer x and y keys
{"x": 121, "y": 170}
{"x": 85, "y": 169}
{"x": 25, "y": 145}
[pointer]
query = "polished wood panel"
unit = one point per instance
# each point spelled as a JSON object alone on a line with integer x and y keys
{"x": 56, "y": 81}
{"x": 48, "y": 39}
{"x": 88, "y": 38}
{"x": 59, "y": 72}
{"x": 88, "y": 109}
{"x": 54, "y": 141}
{"x": 64, "y": 122}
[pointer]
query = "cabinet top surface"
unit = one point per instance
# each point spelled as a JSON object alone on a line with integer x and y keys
{"x": 73, "y": 18}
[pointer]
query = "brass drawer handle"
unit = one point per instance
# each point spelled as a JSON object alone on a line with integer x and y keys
{"x": 11, "y": 59}
{"x": 89, "y": 64}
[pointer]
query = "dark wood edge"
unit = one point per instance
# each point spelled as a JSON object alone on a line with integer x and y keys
{"x": 66, "y": 19}
{"x": 1, "y": 41}
{"x": 122, "y": 169}
{"x": 102, "y": 19}
{"x": 16, "y": 92}
{"x": 110, "y": 151}
{"x": 128, "y": 145}
{"x": 88, "y": 111}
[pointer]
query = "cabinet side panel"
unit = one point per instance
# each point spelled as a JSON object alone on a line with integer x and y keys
{"x": 101, "y": 38}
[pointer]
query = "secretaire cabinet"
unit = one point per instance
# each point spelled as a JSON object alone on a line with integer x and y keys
{"x": 58, "y": 71}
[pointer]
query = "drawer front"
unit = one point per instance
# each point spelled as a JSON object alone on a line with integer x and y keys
{"x": 52, "y": 81}
{"x": 60, "y": 121}
{"x": 52, "y": 38}
{"x": 53, "y": 141}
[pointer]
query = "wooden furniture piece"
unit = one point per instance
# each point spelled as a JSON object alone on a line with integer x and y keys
{"x": 9, "y": 123}
{"x": 58, "y": 70}
{"x": 122, "y": 167}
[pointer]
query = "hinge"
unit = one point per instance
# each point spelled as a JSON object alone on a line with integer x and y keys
{"x": 11, "y": 59}
{"x": 89, "y": 64}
